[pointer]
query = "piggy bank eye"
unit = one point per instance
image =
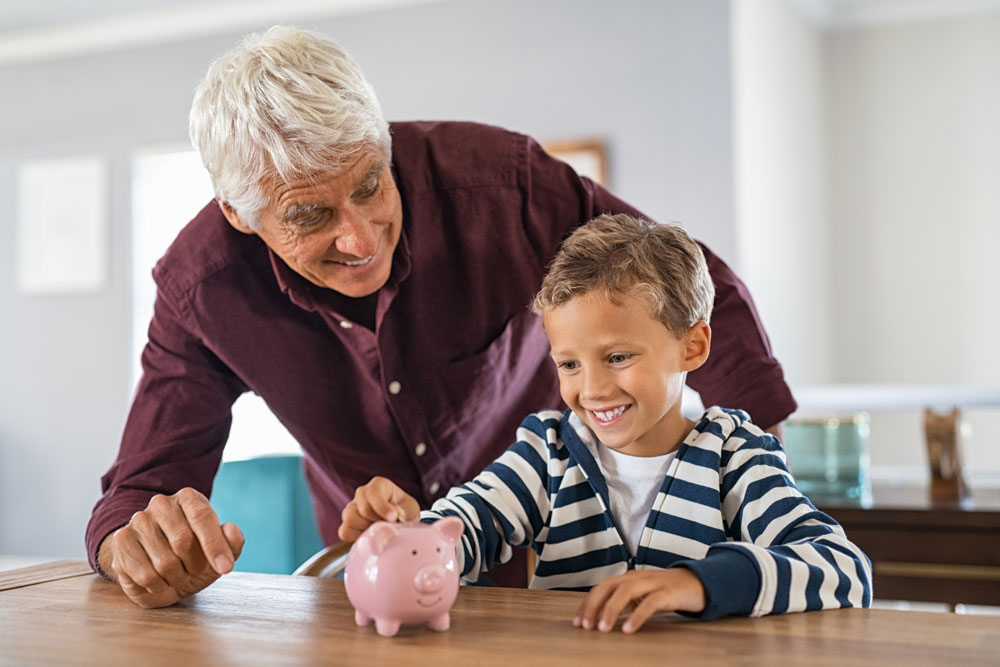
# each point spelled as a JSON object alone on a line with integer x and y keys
{"x": 439, "y": 549}
{"x": 414, "y": 552}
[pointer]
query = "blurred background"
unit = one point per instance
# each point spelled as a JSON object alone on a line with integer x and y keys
{"x": 841, "y": 155}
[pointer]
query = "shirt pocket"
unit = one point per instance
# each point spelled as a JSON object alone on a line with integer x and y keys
{"x": 484, "y": 388}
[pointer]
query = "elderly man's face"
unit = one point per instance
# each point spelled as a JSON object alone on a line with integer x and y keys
{"x": 339, "y": 231}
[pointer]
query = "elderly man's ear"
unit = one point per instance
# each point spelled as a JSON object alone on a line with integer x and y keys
{"x": 233, "y": 217}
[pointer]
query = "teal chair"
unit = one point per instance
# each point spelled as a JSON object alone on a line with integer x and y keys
{"x": 268, "y": 499}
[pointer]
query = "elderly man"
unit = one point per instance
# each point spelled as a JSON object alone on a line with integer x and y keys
{"x": 371, "y": 283}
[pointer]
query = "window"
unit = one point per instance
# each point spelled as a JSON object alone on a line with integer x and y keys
{"x": 168, "y": 188}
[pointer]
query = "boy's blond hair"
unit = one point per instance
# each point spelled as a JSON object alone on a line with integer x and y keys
{"x": 619, "y": 254}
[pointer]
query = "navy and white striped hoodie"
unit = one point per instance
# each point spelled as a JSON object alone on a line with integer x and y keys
{"x": 728, "y": 510}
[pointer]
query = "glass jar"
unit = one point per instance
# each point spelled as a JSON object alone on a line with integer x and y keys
{"x": 828, "y": 456}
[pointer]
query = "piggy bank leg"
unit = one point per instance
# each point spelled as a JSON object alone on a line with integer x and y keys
{"x": 361, "y": 618}
{"x": 385, "y": 627}
{"x": 440, "y": 623}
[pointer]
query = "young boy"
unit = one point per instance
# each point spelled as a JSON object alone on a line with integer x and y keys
{"x": 622, "y": 495}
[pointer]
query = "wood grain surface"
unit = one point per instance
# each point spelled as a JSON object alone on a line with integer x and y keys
{"x": 36, "y": 574}
{"x": 251, "y": 619}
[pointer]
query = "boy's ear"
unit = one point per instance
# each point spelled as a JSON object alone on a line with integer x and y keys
{"x": 697, "y": 343}
{"x": 233, "y": 217}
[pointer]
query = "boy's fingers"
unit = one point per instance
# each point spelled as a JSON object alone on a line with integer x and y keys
{"x": 635, "y": 587}
{"x": 378, "y": 500}
{"x": 407, "y": 507}
{"x": 362, "y": 504}
{"x": 352, "y": 526}
{"x": 649, "y": 605}
{"x": 586, "y": 615}
{"x": 382, "y": 507}
{"x": 391, "y": 503}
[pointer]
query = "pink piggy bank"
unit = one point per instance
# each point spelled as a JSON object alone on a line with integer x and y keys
{"x": 404, "y": 573}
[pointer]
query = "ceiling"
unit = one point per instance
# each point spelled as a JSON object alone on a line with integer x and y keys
{"x": 32, "y": 30}
{"x": 848, "y": 13}
{"x": 19, "y": 15}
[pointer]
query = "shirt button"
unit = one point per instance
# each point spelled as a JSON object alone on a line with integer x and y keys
{"x": 434, "y": 488}
{"x": 346, "y": 324}
{"x": 420, "y": 449}
{"x": 395, "y": 387}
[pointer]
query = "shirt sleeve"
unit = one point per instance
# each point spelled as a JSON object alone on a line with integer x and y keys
{"x": 785, "y": 555}
{"x": 741, "y": 372}
{"x": 177, "y": 427}
{"x": 505, "y": 506}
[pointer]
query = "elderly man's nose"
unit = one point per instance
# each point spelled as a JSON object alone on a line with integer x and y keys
{"x": 356, "y": 237}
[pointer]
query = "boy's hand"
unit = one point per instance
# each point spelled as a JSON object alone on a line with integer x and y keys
{"x": 648, "y": 591}
{"x": 378, "y": 500}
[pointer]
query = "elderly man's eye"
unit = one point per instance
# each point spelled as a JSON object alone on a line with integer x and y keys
{"x": 367, "y": 192}
{"x": 309, "y": 222}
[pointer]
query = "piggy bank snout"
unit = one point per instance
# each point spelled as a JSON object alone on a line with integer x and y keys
{"x": 430, "y": 579}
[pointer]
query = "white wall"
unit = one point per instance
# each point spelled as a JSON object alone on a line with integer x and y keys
{"x": 866, "y": 162}
{"x": 780, "y": 152}
{"x": 651, "y": 77}
{"x": 915, "y": 158}
{"x": 916, "y": 203}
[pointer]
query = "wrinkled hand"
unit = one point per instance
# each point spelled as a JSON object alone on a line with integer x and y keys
{"x": 645, "y": 591}
{"x": 170, "y": 550}
{"x": 378, "y": 500}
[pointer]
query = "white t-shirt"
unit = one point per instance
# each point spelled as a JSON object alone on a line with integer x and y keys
{"x": 633, "y": 482}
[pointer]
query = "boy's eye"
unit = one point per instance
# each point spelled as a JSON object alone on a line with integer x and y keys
{"x": 567, "y": 366}
{"x": 619, "y": 358}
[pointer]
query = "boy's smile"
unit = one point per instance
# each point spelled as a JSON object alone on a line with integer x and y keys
{"x": 622, "y": 371}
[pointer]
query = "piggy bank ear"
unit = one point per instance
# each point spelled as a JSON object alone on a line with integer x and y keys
{"x": 380, "y": 533}
{"x": 451, "y": 526}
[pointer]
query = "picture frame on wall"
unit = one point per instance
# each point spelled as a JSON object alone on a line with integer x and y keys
{"x": 62, "y": 225}
{"x": 587, "y": 156}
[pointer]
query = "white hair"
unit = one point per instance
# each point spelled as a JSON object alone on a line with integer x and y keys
{"x": 285, "y": 105}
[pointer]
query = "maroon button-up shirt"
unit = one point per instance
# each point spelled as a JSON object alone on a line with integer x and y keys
{"x": 454, "y": 363}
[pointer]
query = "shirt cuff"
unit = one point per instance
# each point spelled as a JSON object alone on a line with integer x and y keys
{"x": 111, "y": 513}
{"x": 731, "y": 581}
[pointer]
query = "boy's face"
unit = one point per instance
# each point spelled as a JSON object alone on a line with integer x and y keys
{"x": 622, "y": 371}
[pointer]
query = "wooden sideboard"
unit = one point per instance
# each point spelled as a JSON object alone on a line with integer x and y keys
{"x": 924, "y": 550}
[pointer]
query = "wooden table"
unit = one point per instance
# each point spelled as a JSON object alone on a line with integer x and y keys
{"x": 925, "y": 550}
{"x": 60, "y": 615}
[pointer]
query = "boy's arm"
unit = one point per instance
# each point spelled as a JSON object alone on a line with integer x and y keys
{"x": 785, "y": 555}
{"x": 506, "y": 505}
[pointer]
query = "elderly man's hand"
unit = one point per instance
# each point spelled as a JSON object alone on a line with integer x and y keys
{"x": 378, "y": 500}
{"x": 171, "y": 550}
